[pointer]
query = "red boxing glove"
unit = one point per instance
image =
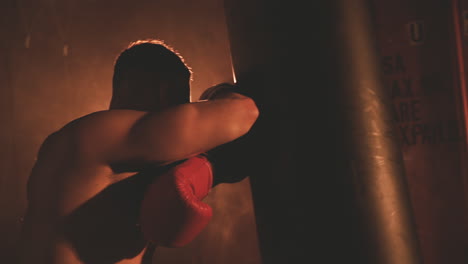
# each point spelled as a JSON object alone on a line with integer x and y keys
{"x": 172, "y": 212}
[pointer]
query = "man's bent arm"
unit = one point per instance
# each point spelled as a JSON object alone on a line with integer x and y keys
{"x": 122, "y": 136}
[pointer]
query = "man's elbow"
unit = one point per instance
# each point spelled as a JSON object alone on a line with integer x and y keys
{"x": 250, "y": 114}
{"x": 253, "y": 110}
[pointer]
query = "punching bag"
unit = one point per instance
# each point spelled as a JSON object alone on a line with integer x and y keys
{"x": 329, "y": 183}
{"x": 417, "y": 48}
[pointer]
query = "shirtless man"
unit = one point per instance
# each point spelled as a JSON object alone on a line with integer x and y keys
{"x": 85, "y": 189}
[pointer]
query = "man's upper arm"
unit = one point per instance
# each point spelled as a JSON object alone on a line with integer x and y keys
{"x": 173, "y": 134}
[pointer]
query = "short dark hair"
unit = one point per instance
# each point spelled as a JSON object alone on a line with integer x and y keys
{"x": 150, "y": 56}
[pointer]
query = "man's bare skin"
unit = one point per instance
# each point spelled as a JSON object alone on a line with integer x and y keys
{"x": 85, "y": 190}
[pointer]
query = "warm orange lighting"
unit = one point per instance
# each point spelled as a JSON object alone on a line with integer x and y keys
{"x": 233, "y": 73}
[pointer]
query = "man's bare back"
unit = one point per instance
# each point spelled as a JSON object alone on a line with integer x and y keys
{"x": 84, "y": 210}
{"x": 85, "y": 190}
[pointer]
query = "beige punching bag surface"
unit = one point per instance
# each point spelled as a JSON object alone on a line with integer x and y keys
{"x": 418, "y": 54}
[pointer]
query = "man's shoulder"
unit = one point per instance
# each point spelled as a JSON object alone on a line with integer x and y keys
{"x": 99, "y": 120}
{"x": 96, "y": 129}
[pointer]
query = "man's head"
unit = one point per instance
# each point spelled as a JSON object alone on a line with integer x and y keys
{"x": 148, "y": 76}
